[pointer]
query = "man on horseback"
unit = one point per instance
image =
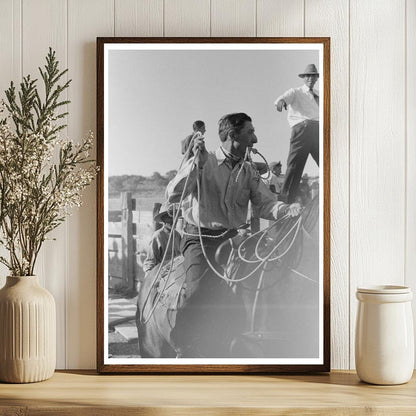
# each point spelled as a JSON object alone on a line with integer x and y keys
{"x": 216, "y": 188}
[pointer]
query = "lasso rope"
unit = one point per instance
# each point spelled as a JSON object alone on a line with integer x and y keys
{"x": 189, "y": 148}
{"x": 264, "y": 233}
{"x": 269, "y": 172}
{"x": 262, "y": 261}
{"x": 256, "y": 298}
{"x": 156, "y": 278}
{"x": 296, "y": 227}
{"x": 207, "y": 235}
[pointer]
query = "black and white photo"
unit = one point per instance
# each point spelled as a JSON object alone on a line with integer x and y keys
{"x": 213, "y": 250}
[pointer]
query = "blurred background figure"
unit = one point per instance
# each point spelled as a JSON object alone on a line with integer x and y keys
{"x": 304, "y": 192}
{"x": 159, "y": 243}
{"x": 275, "y": 182}
{"x": 187, "y": 143}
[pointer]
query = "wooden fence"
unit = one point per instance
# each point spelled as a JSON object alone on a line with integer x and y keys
{"x": 129, "y": 231}
{"x": 130, "y": 227}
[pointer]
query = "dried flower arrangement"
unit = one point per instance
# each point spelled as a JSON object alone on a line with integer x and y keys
{"x": 41, "y": 175}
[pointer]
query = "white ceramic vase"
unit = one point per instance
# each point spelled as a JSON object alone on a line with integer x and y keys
{"x": 384, "y": 339}
{"x": 27, "y": 331}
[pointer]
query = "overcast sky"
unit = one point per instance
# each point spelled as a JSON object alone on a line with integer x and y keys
{"x": 155, "y": 96}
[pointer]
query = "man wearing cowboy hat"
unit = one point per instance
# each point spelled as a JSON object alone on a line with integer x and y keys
{"x": 159, "y": 242}
{"x": 302, "y": 104}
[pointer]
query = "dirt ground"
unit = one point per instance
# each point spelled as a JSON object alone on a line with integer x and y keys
{"x": 119, "y": 347}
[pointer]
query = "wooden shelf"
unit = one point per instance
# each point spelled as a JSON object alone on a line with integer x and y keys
{"x": 86, "y": 393}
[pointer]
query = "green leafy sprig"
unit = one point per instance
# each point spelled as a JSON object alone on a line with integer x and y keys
{"x": 41, "y": 176}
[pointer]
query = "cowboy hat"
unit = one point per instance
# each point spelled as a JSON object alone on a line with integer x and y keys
{"x": 309, "y": 70}
{"x": 166, "y": 211}
{"x": 272, "y": 165}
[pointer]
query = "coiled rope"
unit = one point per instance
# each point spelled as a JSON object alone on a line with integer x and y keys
{"x": 261, "y": 260}
{"x": 156, "y": 278}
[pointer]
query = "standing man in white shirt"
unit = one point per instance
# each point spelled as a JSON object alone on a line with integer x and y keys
{"x": 302, "y": 104}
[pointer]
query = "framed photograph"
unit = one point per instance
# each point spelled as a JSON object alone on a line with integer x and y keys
{"x": 213, "y": 205}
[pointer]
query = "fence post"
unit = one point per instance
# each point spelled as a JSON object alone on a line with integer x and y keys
{"x": 127, "y": 244}
{"x": 156, "y": 210}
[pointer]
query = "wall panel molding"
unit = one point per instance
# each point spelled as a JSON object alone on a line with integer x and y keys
{"x": 330, "y": 18}
{"x": 373, "y": 126}
{"x": 138, "y": 18}
{"x": 377, "y": 156}
{"x": 234, "y": 18}
{"x": 410, "y": 80}
{"x": 10, "y": 43}
{"x": 10, "y": 63}
{"x": 280, "y": 18}
{"x": 36, "y": 40}
{"x": 187, "y": 18}
{"x": 87, "y": 20}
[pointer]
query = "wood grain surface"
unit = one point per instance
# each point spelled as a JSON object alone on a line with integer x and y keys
{"x": 208, "y": 368}
{"x": 85, "y": 393}
{"x": 233, "y": 18}
{"x": 138, "y": 17}
{"x": 410, "y": 258}
{"x": 377, "y": 149}
{"x": 51, "y": 265}
{"x": 330, "y": 18}
{"x": 85, "y": 18}
{"x": 373, "y": 98}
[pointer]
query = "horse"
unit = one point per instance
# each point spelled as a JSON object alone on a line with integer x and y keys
{"x": 283, "y": 301}
{"x": 278, "y": 264}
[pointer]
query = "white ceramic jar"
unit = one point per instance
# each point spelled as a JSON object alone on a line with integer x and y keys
{"x": 384, "y": 340}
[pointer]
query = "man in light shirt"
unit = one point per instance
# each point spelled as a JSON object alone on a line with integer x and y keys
{"x": 219, "y": 187}
{"x": 302, "y": 104}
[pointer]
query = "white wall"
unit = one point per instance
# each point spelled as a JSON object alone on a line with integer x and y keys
{"x": 373, "y": 127}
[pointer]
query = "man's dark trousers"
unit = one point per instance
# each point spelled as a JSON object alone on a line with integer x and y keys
{"x": 211, "y": 314}
{"x": 303, "y": 141}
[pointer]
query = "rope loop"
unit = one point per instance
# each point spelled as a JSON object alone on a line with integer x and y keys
{"x": 259, "y": 261}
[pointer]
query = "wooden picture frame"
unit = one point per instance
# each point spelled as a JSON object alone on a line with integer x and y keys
{"x": 149, "y": 92}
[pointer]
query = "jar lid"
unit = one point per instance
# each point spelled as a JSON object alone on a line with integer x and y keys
{"x": 384, "y": 289}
